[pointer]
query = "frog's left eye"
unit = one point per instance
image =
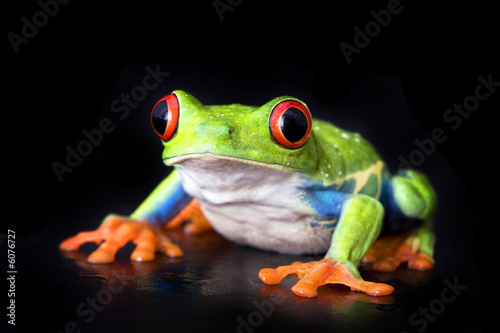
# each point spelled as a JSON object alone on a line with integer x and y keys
{"x": 165, "y": 116}
{"x": 290, "y": 123}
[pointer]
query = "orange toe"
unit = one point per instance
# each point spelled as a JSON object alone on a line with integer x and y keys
{"x": 379, "y": 289}
{"x": 421, "y": 262}
{"x": 174, "y": 251}
{"x": 101, "y": 257}
{"x": 270, "y": 276}
{"x": 305, "y": 291}
{"x": 74, "y": 243}
{"x": 142, "y": 255}
{"x": 70, "y": 244}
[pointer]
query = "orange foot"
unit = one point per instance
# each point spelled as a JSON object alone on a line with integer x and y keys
{"x": 317, "y": 273}
{"x": 115, "y": 232}
{"x": 197, "y": 224}
{"x": 387, "y": 253}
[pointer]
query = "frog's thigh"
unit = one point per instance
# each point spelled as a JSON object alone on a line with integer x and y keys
{"x": 358, "y": 227}
{"x": 415, "y": 198}
{"x": 413, "y": 194}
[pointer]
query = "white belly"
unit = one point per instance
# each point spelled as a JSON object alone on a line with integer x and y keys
{"x": 254, "y": 205}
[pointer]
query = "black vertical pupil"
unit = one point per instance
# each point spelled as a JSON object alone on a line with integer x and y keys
{"x": 160, "y": 117}
{"x": 293, "y": 124}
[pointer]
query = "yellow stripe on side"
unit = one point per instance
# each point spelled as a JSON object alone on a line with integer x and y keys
{"x": 361, "y": 177}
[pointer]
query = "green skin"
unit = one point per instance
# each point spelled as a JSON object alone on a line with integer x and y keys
{"x": 330, "y": 160}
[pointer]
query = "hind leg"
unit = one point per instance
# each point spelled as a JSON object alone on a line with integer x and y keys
{"x": 415, "y": 198}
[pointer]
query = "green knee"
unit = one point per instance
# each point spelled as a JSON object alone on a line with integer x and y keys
{"x": 414, "y": 194}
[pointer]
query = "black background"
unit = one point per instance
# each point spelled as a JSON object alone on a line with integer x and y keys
{"x": 66, "y": 77}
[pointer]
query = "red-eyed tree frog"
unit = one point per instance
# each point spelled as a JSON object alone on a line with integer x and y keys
{"x": 274, "y": 178}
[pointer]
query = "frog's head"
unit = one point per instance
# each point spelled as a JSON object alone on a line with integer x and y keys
{"x": 275, "y": 135}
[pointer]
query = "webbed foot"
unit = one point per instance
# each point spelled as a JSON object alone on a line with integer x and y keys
{"x": 387, "y": 253}
{"x": 317, "y": 273}
{"x": 115, "y": 232}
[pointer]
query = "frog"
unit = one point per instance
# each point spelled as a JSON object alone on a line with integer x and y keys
{"x": 274, "y": 178}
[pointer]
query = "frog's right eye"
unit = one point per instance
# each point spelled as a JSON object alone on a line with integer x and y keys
{"x": 290, "y": 123}
{"x": 165, "y": 117}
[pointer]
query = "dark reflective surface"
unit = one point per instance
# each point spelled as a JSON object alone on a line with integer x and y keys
{"x": 215, "y": 286}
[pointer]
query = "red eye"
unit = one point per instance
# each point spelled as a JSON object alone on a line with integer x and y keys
{"x": 290, "y": 123}
{"x": 165, "y": 116}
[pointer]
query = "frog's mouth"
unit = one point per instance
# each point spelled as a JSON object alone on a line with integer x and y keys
{"x": 211, "y": 160}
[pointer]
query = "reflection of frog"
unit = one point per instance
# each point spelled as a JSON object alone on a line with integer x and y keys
{"x": 274, "y": 178}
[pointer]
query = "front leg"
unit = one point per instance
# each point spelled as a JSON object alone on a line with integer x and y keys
{"x": 358, "y": 227}
{"x": 142, "y": 227}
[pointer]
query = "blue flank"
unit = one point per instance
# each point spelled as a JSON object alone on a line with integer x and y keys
{"x": 327, "y": 201}
{"x": 169, "y": 207}
{"x": 168, "y": 199}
